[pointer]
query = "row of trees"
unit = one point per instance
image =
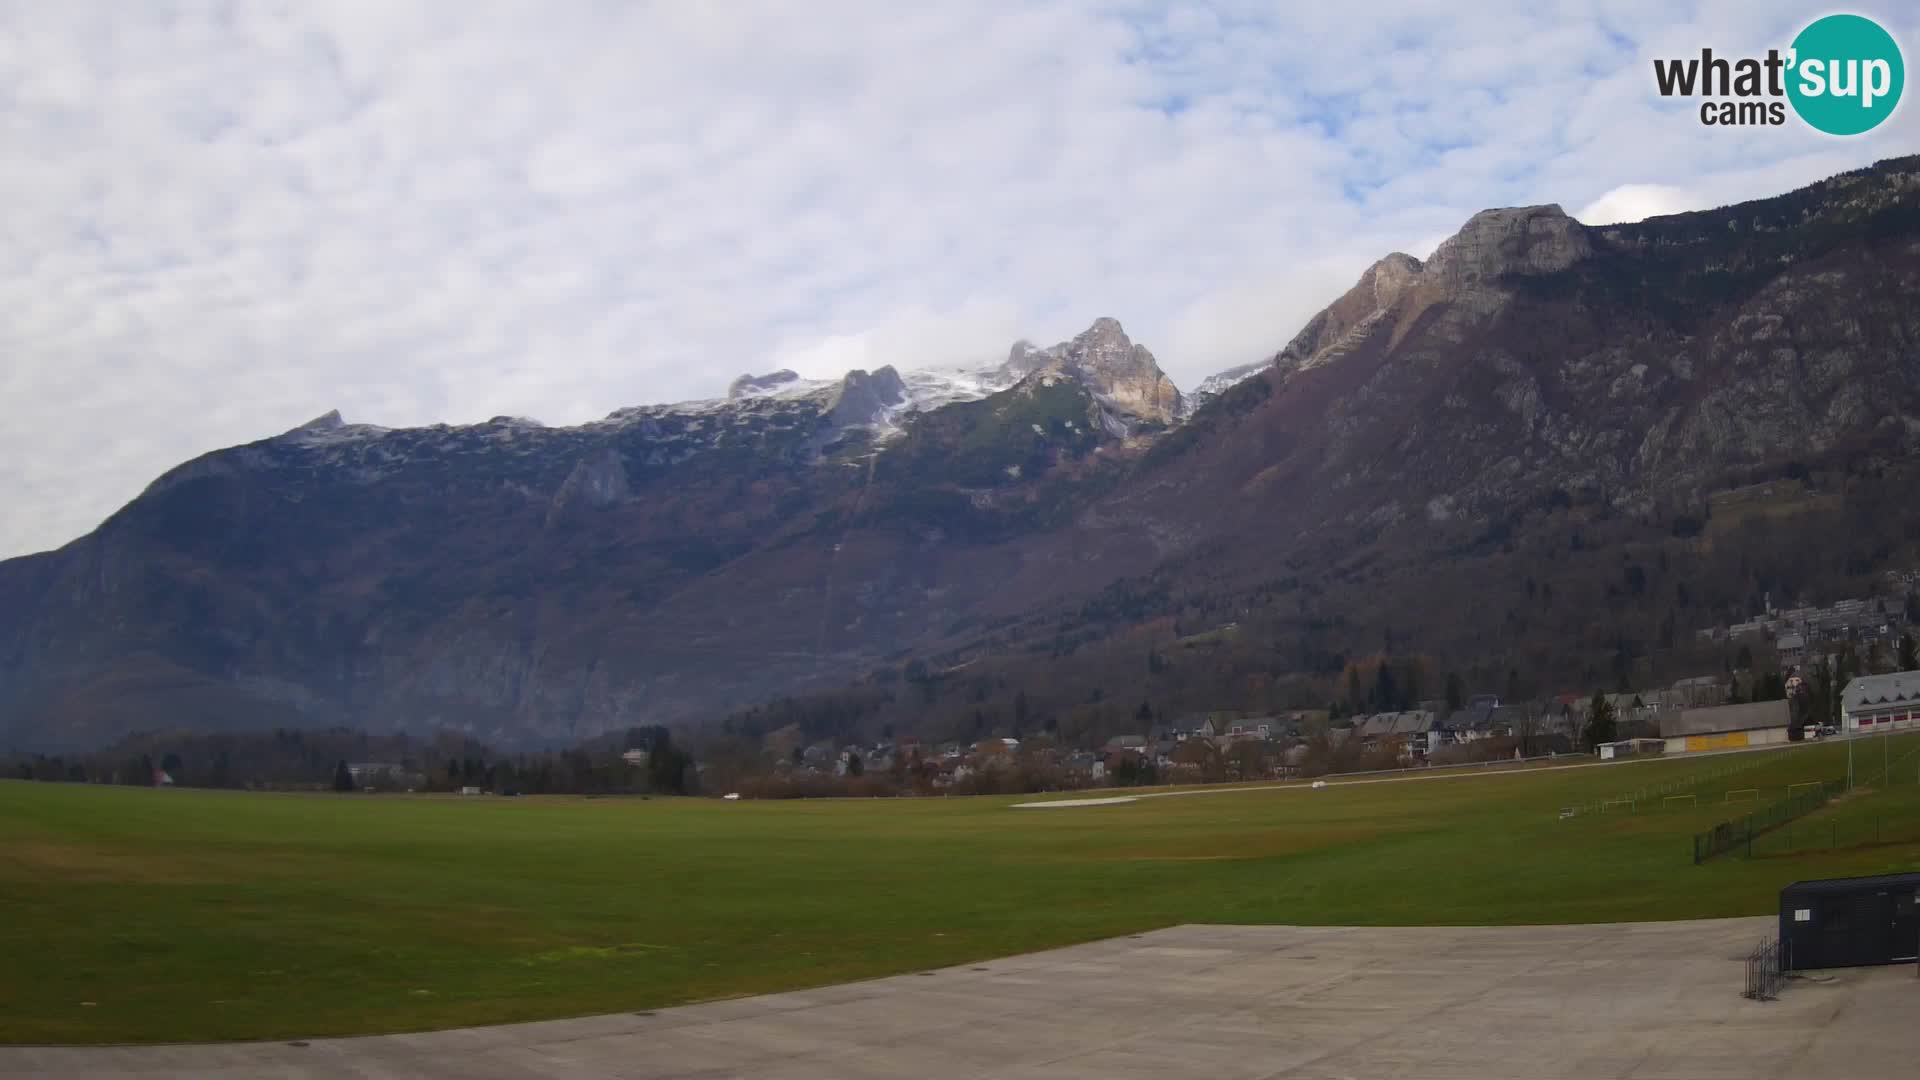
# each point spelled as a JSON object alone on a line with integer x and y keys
{"x": 320, "y": 760}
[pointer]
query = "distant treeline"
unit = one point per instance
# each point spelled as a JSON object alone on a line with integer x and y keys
{"x": 297, "y": 760}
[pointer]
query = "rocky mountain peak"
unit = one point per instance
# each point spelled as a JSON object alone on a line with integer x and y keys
{"x": 1391, "y": 276}
{"x": 1024, "y": 358}
{"x": 1102, "y": 358}
{"x": 864, "y": 398}
{"x": 1106, "y": 330}
{"x": 1513, "y": 240}
{"x": 747, "y": 385}
{"x": 327, "y": 421}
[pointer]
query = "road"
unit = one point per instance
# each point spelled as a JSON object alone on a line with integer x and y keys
{"x": 1623, "y": 1000}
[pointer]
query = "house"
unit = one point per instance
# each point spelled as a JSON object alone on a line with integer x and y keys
{"x": 636, "y": 758}
{"x": 1256, "y": 727}
{"x": 1214, "y": 726}
{"x": 1724, "y": 727}
{"x": 1477, "y": 722}
{"x": 1623, "y": 704}
{"x": 1136, "y": 743}
{"x": 1420, "y": 731}
{"x": 1370, "y": 729}
{"x": 1792, "y": 648}
{"x": 1881, "y": 702}
{"x": 1303, "y": 721}
{"x": 370, "y": 772}
{"x": 1423, "y": 731}
{"x": 1702, "y": 690}
{"x": 1630, "y": 747}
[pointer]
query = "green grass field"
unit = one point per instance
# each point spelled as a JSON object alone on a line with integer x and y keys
{"x": 141, "y": 915}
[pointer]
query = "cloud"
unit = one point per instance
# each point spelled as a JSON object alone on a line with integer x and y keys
{"x": 1636, "y": 202}
{"x": 222, "y": 221}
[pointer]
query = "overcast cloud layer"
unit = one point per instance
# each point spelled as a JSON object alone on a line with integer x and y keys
{"x": 217, "y": 221}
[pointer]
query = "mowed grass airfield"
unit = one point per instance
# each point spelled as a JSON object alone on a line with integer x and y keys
{"x": 133, "y": 915}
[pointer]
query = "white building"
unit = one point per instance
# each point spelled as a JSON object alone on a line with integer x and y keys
{"x": 1792, "y": 648}
{"x": 1879, "y": 702}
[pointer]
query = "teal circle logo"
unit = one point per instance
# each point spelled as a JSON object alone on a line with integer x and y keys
{"x": 1846, "y": 74}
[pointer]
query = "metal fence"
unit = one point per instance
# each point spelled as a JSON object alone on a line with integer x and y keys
{"x": 1764, "y": 974}
{"x": 1836, "y": 835}
{"x": 1630, "y": 801}
{"x": 1738, "y": 833}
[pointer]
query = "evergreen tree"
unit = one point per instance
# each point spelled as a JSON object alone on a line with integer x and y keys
{"x": 1386, "y": 695}
{"x": 1908, "y": 662}
{"x": 667, "y": 765}
{"x": 1456, "y": 692}
{"x": 1601, "y": 721}
{"x": 1821, "y": 694}
{"x": 854, "y": 765}
{"x": 342, "y": 777}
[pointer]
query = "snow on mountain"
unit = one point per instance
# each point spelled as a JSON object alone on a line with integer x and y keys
{"x": 1219, "y": 383}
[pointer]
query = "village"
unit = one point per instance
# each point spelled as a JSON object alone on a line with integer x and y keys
{"x": 1695, "y": 714}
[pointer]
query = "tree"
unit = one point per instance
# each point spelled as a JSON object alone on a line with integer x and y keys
{"x": 1770, "y": 687}
{"x": 1204, "y": 757}
{"x": 1876, "y": 658}
{"x": 1456, "y": 692}
{"x": 854, "y": 765}
{"x": 1908, "y": 661}
{"x": 667, "y": 764}
{"x": 1248, "y": 759}
{"x": 1132, "y": 770}
{"x": 342, "y": 777}
{"x": 1386, "y": 694}
{"x": 1602, "y": 722}
{"x": 1821, "y": 695}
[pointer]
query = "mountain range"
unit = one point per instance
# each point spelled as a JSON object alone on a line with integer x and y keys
{"x": 1505, "y": 455}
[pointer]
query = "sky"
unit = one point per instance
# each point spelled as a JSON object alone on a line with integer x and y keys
{"x": 218, "y": 221}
